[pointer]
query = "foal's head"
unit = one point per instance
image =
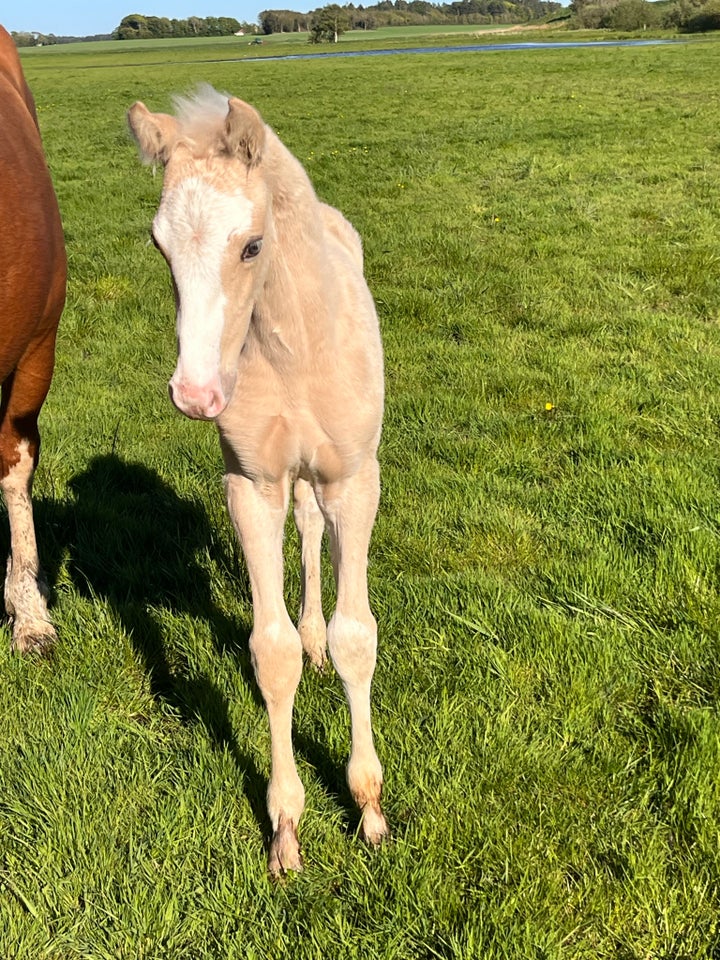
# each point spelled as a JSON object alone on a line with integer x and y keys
{"x": 212, "y": 222}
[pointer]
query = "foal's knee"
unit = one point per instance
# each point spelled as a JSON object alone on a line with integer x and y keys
{"x": 353, "y": 647}
{"x": 276, "y": 655}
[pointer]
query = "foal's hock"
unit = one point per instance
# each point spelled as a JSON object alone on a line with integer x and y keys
{"x": 278, "y": 343}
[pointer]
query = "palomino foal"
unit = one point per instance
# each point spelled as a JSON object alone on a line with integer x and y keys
{"x": 32, "y": 296}
{"x": 278, "y": 343}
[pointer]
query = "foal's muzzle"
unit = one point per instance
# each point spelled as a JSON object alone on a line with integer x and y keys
{"x": 199, "y": 403}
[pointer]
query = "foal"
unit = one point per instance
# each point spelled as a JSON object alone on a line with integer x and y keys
{"x": 278, "y": 343}
{"x": 32, "y": 295}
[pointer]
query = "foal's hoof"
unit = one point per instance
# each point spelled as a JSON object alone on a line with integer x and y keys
{"x": 313, "y": 637}
{"x": 285, "y": 850}
{"x": 374, "y": 826}
{"x": 36, "y": 639}
{"x": 318, "y": 659}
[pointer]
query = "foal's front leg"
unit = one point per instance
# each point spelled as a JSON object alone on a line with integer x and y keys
{"x": 349, "y": 507}
{"x": 259, "y": 518}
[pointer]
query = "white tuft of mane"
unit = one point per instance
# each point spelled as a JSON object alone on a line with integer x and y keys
{"x": 202, "y": 110}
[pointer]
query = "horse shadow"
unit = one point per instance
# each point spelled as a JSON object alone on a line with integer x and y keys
{"x": 128, "y": 539}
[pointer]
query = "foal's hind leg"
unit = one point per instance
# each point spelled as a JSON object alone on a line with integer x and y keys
{"x": 350, "y": 507}
{"x": 311, "y": 524}
{"x": 259, "y": 518}
{"x": 25, "y": 590}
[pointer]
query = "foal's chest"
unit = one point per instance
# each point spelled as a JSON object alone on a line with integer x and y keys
{"x": 270, "y": 444}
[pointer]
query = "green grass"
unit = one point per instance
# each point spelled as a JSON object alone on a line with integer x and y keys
{"x": 540, "y": 227}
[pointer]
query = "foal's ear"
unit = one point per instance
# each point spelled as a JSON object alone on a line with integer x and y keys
{"x": 244, "y": 132}
{"x": 155, "y": 133}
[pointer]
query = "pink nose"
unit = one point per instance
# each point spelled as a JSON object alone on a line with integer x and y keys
{"x": 199, "y": 403}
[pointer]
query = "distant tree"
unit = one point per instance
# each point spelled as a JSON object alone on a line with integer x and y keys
{"x": 158, "y": 27}
{"x": 23, "y": 39}
{"x": 630, "y": 15}
{"x": 328, "y": 23}
{"x": 589, "y": 14}
{"x": 133, "y": 27}
{"x": 269, "y": 22}
{"x": 681, "y": 12}
{"x": 705, "y": 19}
{"x": 228, "y": 25}
{"x": 283, "y": 21}
{"x": 496, "y": 8}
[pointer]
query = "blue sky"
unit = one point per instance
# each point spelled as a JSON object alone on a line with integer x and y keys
{"x": 87, "y": 17}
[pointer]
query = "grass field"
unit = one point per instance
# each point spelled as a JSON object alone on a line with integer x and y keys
{"x": 542, "y": 235}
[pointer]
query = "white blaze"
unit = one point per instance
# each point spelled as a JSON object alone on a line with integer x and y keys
{"x": 193, "y": 226}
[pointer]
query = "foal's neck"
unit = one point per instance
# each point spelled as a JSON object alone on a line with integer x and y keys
{"x": 292, "y": 312}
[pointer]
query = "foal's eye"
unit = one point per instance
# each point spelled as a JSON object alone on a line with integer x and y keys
{"x": 252, "y": 249}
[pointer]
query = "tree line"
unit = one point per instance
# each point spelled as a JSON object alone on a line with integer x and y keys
{"x": 395, "y": 13}
{"x": 137, "y": 26}
{"x": 686, "y": 16}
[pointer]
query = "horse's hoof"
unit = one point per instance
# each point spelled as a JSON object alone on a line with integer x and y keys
{"x": 35, "y": 639}
{"x": 374, "y": 826}
{"x": 313, "y": 637}
{"x": 318, "y": 659}
{"x": 285, "y": 850}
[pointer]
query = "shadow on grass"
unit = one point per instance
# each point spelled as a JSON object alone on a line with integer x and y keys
{"x": 130, "y": 540}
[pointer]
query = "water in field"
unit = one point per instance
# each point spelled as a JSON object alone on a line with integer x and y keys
{"x": 472, "y": 48}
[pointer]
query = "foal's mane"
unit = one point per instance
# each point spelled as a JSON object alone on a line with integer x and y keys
{"x": 201, "y": 114}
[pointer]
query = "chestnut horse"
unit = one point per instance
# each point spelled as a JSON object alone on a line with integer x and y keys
{"x": 278, "y": 343}
{"x": 32, "y": 295}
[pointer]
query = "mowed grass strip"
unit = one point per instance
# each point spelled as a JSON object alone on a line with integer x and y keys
{"x": 542, "y": 236}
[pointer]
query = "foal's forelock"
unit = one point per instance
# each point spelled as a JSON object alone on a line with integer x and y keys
{"x": 201, "y": 115}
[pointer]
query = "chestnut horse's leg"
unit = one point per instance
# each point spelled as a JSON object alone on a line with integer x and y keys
{"x": 258, "y": 514}
{"x": 23, "y": 393}
{"x": 311, "y": 524}
{"x": 349, "y": 507}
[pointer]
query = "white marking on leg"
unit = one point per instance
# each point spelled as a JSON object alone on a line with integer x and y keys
{"x": 25, "y": 599}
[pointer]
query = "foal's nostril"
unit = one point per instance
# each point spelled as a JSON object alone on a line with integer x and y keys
{"x": 200, "y": 403}
{"x": 215, "y": 404}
